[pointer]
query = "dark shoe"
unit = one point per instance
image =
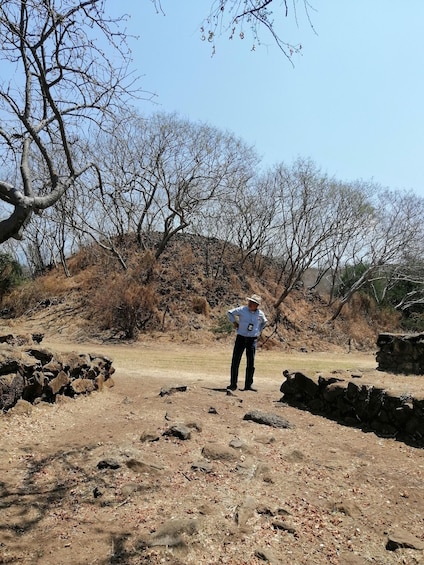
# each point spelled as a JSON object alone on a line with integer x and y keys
{"x": 232, "y": 387}
{"x": 251, "y": 389}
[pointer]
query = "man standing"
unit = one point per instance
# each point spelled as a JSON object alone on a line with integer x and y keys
{"x": 249, "y": 321}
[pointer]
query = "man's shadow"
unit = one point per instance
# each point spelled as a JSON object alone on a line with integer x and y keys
{"x": 219, "y": 389}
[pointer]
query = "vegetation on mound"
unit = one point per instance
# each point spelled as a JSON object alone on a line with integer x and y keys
{"x": 185, "y": 294}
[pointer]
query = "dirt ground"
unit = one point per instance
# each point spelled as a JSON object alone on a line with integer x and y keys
{"x": 102, "y": 479}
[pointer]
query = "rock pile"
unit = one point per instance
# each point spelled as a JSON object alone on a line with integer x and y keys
{"x": 401, "y": 353}
{"x": 34, "y": 374}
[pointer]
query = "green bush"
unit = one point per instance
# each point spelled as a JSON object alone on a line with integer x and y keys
{"x": 413, "y": 323}
{"x": 11, "y": 274}
{"x": 224, "y": 326}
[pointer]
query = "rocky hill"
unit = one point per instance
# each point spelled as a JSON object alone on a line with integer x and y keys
{"x": 183, "y": 295}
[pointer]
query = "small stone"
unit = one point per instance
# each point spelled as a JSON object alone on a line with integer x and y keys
{"x": 108, "y": 464}
{"x": 203, "y": 466}
{"x": 283, "y": 526}
{"x": 179, "y": 431}
{"x": 149, "y": 437}
{"x": 216, "y": 451}
{"x": 172, "y": 389}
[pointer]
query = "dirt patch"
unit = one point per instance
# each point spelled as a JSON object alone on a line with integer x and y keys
{"x": 106, "y": 479}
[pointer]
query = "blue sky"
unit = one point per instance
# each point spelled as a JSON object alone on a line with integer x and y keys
{"x": 353, "y": 102}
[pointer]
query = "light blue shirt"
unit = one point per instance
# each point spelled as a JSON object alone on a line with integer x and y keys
{"x": 251, "y": 323}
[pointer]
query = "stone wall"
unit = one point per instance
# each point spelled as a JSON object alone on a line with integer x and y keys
{"x": 401, "y": 353}
{"x": 33, "y": 373}
{"x": 346, "y": 399}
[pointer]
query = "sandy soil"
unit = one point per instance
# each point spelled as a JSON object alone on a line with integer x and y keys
{"x": 99, "y": 480}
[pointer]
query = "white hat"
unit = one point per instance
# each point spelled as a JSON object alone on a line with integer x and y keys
{"x": 254, "y": 298}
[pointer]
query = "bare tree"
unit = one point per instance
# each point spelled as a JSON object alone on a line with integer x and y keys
{"x": 198, "y": 164}
{"x": 57, "y": 86}
{"x": 350, "y": 212}
{"x": 248, "y": 18}
{"x": 394, "y": 233}
{"x": 250, "y": 210}
{"x": 160, "y": 175}
{"x": 303, "y": 222}
{"x": 163, "y": 172}
{"x": 238, "y": 221}
{"x": 86, "y": 218}
{"x": 411, "y": 272}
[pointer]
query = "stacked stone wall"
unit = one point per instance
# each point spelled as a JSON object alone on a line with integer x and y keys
{"x": 401, "y": 353}
{"x": 346, "y": 399}
{"x": 33, "y": 373}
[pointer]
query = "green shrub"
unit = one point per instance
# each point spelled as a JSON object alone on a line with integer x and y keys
{"x": 224, "y": 326}
{"x": 11, "y": 274}
{"x": 413, "y": 323}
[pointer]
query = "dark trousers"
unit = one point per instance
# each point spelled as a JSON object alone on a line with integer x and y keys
{"x": 241, "y": 345}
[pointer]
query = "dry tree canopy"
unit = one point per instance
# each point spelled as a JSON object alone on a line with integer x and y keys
{"x": 57, "y": 85}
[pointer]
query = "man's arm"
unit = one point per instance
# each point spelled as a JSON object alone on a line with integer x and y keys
{"x": 231, "y": 315}
{"x": 264, "y": 321}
